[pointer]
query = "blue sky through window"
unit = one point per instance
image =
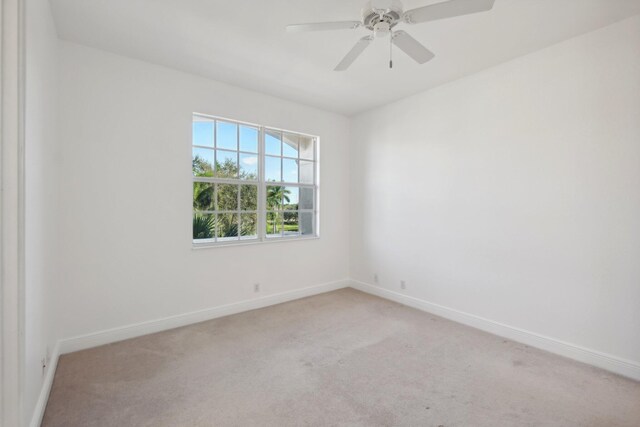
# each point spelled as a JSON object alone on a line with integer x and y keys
{"x": 249, "y": 164}
{"x": 272, "y": 143}
{"x": 203, "y": 133}
{"x": 227, "y": 135}
{"x": 290, "y": 170}
{"x": 272, "y": 169}
{"x": 248, "y": 139}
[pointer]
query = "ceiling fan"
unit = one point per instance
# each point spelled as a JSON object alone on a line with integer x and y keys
{"x": 381, "y": 17}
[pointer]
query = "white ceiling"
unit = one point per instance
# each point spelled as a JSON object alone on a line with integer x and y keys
{"x": 243, "y": 42}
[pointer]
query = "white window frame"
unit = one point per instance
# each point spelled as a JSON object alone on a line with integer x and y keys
{"x": 262, "y": 185}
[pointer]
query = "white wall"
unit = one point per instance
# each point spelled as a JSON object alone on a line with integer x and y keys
{"x": 522, "y": 207}
{"x": 125, "y": 221}
{"x": 41, "y": 206}
{"x": 513, "y": 194}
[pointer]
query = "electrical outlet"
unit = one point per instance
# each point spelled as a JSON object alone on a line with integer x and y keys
{"x": 375, "y": 278}
{"x": 256, "y": 287}
{"x": 403, "y": 285}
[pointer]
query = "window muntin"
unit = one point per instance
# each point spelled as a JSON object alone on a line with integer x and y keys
{"x": 289, "y": 183}
{"x": 252, "y": 183}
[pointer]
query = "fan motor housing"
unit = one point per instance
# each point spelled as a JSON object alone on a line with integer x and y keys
{"x": 372, "y": 17}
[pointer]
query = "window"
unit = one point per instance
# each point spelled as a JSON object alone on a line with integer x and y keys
{"x": 252, "y": 183}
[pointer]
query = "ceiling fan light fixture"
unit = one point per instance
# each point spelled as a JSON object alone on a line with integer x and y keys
{"x": 381, "y": 18}
{"x": 381, "y": 29}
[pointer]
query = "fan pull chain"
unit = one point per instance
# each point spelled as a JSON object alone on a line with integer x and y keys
{"x": 390, "y": 49}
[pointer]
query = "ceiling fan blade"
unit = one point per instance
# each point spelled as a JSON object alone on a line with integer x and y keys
{"x": 447, "y": 9}
{"x": 323, "y": 26}
{"x": 412, "y": 47}
{"x": 355, "y": 51}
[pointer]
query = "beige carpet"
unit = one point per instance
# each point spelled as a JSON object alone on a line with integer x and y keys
{"x": 342, "y": 358}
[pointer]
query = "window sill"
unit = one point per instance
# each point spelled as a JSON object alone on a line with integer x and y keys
{"x": 198, "y": 246}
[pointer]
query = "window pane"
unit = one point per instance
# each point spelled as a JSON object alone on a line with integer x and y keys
{"x": 275, "y": 195}
{"x": 306, "y": 223}
{"x": 230, "y": 210}
{"x": 274, "y": 224}
{"x": 272, "y": 142}
{"x": 290, "y": 198}
{"x": 204, "y": 226}
{"x": 202, "y": 132}
{"x": 306, "y": 172}
{"x": 248, "y": 225}
{"x": 227, "y": 226}
{"x": 248, "y": 166}
{"x": 227, "y": 197}
{"x": 291, "y": 223}
{"x": 202, "y": 161}
{"x": 249, "y": 197}
{"x": 272, "y": 169}
{"x": 226, "y": 164}
{"x": 203, "y": 196}
{"x": 248, "y": 139}
{"x": 306, "y": 148}
{"x": 226, "y": 135}
{"x": 306, "y": 198}
{"x": 290, "y": 145}
{"x": 290, "y": 170}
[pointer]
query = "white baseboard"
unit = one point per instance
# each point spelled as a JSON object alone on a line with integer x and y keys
{"x": 109, "y": 336}
{"x": 41, "y": 404}
{"x": 609, "y": 362}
